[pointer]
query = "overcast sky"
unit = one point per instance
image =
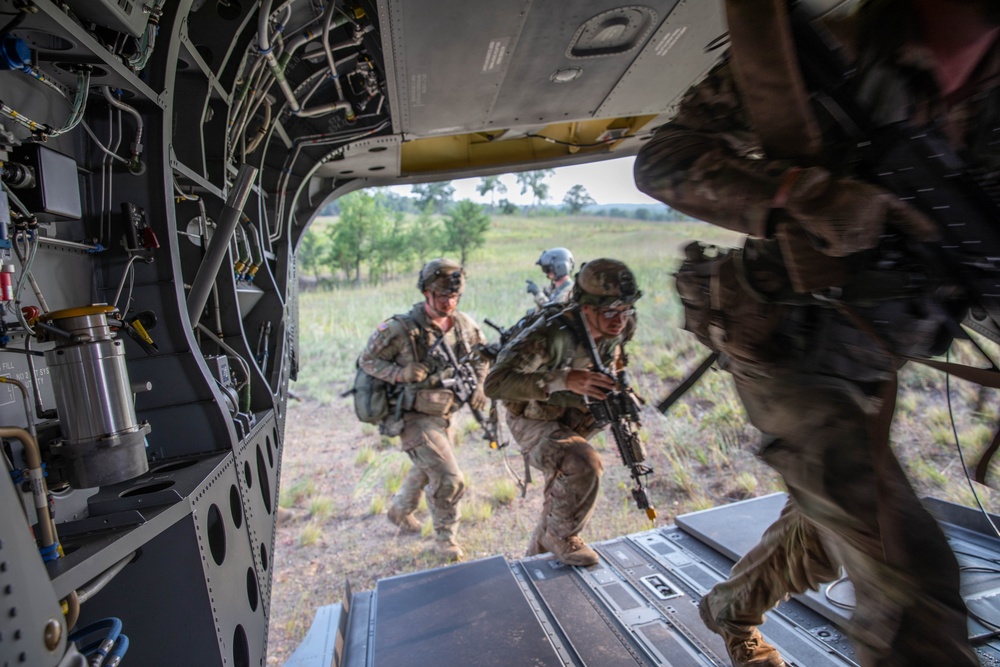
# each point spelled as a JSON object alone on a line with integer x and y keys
{"x": 608, "y": 182}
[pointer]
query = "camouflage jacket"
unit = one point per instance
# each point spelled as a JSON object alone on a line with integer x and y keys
{"x": 530, "y": 373}
{"x": 709, "y": 163}
{"x": 555, "y": 294}
{"x": 395, "y": 344}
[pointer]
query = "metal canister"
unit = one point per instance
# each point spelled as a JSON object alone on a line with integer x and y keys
{"x": 103, "y": 441}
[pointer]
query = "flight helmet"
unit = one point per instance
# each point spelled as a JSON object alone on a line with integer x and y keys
{"x": 557, "y": 260}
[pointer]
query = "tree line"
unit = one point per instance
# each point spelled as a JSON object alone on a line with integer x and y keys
{"x": 379, "y": 234}
{"x": 374, "y": 240}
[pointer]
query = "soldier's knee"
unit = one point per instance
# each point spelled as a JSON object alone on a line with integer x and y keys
{"x": 451, "y": 487}
{"x": 582, "y": 459}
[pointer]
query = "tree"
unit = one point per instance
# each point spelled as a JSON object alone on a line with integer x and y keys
{"x": 535, "y": 181}
{"x": 576, "y": 198}
{"x": 311, "y": 253}
{"x": 361, "y": 222}
{"x": 438, "y": 194}
{"x": 426, "y": 237}
{"x": 491, "y": 185}
{"x": 465, "y": 228}
{"x": 507, "y": 207}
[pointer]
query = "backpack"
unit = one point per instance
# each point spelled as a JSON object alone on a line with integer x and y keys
{"x": 493, "y": 350}
{"x": 374, "y": 399}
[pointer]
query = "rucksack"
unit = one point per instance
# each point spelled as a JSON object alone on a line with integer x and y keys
{"x": 375, "y": 399}
{"x": 493, "y": 350}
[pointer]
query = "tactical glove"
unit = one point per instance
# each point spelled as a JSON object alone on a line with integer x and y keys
{"x": 533, "y": 289}
{"x": 849, "y": 215}
{"x": 478, "y": 399}
{"x": 412, "y": 372}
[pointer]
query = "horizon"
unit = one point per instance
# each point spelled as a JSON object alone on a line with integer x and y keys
{"x": 609, "y": 182}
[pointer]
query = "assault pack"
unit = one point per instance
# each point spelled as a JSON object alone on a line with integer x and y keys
{"x": 546, "y": 312}
{"x": 376, "y": 401}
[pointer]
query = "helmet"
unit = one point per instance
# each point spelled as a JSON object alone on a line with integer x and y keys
{"x": 605, "y": 282}
{"x": 557, "y": 260}
{"x": 441, "y": 275}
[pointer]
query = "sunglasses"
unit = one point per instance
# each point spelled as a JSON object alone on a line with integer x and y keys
{"x": 614, "y": 313}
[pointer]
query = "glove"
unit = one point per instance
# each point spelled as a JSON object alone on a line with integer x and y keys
{"x": 533, "y": 289}
{"x": 850, "y": 215}
{"x": 412, "y": 372}
{"x": 478, "y": 399}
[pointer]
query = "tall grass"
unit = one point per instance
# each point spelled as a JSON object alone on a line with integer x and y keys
{"x": 704, "y": 447}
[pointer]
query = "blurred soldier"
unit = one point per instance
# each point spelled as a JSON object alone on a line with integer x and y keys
{"x": 557, "y": 265}
{"x": 819, "y": 387}
{"x": 545, "y": 377}
{"x": 398, "y": 353}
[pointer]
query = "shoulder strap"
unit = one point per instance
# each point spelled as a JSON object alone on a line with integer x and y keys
{"x": 413, "y": 330}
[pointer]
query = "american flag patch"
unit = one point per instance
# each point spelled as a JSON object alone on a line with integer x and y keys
{"x": 383, "y": 326}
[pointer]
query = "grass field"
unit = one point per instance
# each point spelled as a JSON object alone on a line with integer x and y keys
{"x": 335, "y": 325}
{"x": 338, "y": 475}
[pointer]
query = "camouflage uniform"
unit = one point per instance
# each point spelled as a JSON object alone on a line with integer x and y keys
{"x": 554, "y": 294}
{"x": 428, "y": 435}
{"x": 850, "y": 503}
{"x": 551, "y": 425}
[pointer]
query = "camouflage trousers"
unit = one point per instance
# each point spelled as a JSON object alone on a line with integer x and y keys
{"x": 850, "y": 505}
{"x": 572, "y": 469}
{"x": 427, "y": 440}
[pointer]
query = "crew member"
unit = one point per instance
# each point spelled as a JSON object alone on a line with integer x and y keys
{"x": 557, "y": 265}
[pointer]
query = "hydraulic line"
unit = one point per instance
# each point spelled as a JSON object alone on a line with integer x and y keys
{"x": 136, "y": 147}
{"x": 95, "y": 585}
{"x": 33, "y": 457}
{"x": 264, "y": 45}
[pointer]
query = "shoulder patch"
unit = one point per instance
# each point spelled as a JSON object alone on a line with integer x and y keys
{"x": 383, "y": 326}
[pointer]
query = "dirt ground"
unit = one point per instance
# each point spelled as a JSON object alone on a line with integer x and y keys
{"x": 354, "y": 545}
{"x": 338, "y": 531}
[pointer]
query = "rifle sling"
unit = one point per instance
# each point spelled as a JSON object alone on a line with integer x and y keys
{"x": 679, "y": 391}
{"x": 770, "y": 79}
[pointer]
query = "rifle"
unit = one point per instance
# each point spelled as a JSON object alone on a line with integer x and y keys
{"x": 920, "y": 167}
{"x": 619, "y": 409}
{"x": 463, "y": 383}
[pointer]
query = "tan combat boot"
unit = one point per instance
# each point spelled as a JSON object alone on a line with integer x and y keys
{"x": 406, "y": 522}
{"x": 449, "y": 548}
{"x": 534, "y": 543}
{"x": 744, "y": 651}
{"x": 570, "y": 551}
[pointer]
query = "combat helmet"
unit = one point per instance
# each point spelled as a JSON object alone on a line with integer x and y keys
{"x": 441, "y": 275}
{"x": 605, "y": 282}
{"x": 557, "y": 260}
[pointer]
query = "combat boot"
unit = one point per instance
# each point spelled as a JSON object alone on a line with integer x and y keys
{"x": 406, "y": 522}
{"x": 748, "y": 650}
{"x": 570, "y": 551}
{"x": 449, "y": 548}
{"x": 535, "y": 542}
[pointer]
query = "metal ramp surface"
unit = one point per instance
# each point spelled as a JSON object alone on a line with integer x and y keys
{"x": 638, "y": 606}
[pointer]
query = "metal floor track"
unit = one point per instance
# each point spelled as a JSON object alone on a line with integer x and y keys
{"x": 638, "y": 606}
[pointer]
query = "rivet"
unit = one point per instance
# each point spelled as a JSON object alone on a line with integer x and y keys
{"x": 53, "y": 633}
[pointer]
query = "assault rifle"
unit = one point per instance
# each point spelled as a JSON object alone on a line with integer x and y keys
{"x": 619, "y": 409}
{"x": 921, "y": 168}
{"x": 463, "y": 384}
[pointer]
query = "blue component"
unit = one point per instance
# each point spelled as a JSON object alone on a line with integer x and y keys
{"x": 49, "y": 553}
{"x": 14, "y": 53}
{"x": 6, "y": 244}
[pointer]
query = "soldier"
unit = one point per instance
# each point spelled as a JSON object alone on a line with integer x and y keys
{"x": 545, "y": 377}
{"x": 557, "y": 265}
{"x": 816, "y": 384}
{"x": 398, "y": 353}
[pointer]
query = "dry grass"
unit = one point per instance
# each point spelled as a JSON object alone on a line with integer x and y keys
{"x": 343, "y": 473}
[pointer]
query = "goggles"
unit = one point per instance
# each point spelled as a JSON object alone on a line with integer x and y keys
{"x": 611, "y": 313}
